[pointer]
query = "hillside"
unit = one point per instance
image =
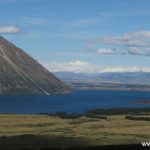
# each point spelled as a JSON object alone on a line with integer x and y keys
{"x": 21, "y": 74}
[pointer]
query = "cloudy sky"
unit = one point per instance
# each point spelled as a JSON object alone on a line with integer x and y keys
{"x": 81, "y": 35}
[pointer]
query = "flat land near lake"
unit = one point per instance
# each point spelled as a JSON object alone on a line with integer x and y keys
{"x": 114, "y": 129}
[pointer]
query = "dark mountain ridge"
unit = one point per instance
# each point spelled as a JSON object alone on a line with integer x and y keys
{"x": 21, "y": 74}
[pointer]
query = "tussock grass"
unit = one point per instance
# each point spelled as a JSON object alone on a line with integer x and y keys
{"x": 113, "y": 129}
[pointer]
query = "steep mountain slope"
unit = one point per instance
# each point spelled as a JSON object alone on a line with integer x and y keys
{"x": 21, "y": 74}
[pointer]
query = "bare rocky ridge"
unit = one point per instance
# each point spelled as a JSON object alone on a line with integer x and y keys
{"x": 21, "y": 74}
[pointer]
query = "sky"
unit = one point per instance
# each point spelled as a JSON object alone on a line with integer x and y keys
{"x": 89, "y": 36}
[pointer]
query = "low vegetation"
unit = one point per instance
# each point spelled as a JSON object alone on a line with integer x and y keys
{"x": 138, "y": 118}
{"x": 63, "y": 115}
{"x": 66, "y": 131}
{"x": 119, "y": 111}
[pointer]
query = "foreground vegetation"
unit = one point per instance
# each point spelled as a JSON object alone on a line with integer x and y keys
{"x": 32, "y": 131}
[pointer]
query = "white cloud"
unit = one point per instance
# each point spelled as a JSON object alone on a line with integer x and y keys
{"x": 126, "y": 69}
{"x": 74, "y": 66}
{"x": 123, "y": 40}
{"x": 9, "y": 29}
{"x": 132, "y": 43}
{"x": 139, "y": 34}
{"x": 105, "y": 51}
{"x": 86, "y": 67}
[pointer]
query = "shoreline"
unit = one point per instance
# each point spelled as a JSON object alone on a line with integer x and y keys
{"x": 112, "y": 89}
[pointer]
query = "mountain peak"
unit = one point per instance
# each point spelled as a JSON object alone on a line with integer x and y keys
{"x": 4, "y": 42}
{"x": 2, "y": 38}
{"x": 20, "y": 73}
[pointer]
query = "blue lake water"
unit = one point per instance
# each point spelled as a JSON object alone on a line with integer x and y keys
{"x": 78, "y": 101}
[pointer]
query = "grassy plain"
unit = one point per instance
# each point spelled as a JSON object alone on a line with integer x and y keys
{"x": 114, "y": 129}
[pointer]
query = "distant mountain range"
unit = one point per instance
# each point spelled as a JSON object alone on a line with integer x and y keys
{"x": 21, "y": 74}
{"x": 108, "y": 77}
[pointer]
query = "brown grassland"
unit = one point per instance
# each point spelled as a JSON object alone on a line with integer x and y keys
{"x": 115, "y": 129}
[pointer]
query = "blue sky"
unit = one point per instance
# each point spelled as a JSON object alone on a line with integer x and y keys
{"x": 80, "y": 35}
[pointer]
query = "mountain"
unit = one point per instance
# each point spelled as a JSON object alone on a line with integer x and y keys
{"x": 125, "y": 77}
{"x": 73, "y": 76}
{"x": 107, "y": 77}
{"x": 21, "y": 74}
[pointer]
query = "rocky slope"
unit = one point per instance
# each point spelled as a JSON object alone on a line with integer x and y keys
{"x": 21, "y": 74}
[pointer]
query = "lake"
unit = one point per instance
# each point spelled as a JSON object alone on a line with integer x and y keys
{"x": 78, "y": 101}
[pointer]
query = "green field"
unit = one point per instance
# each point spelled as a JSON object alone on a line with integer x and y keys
{"x": 114, "y": 129}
